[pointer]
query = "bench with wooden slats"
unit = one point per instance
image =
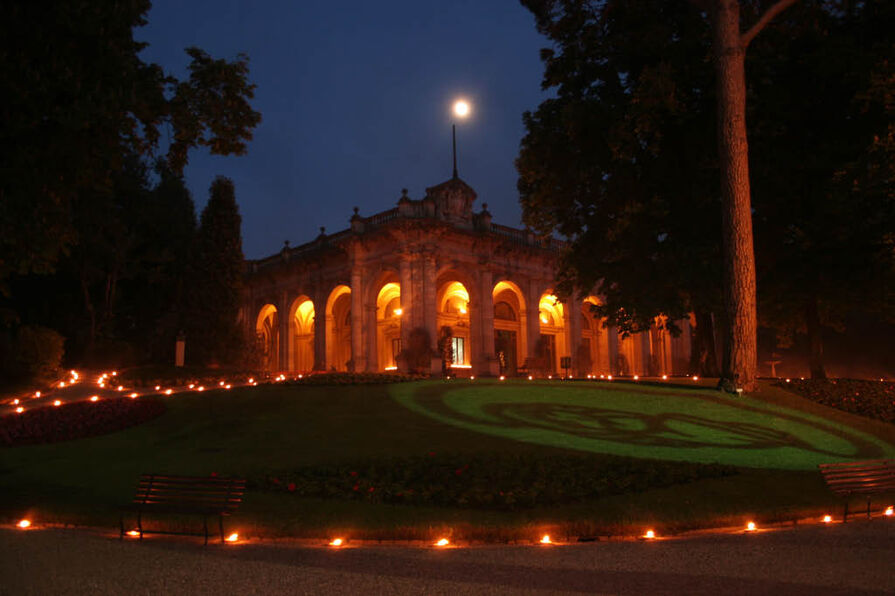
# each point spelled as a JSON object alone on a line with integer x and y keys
{"x": 860, "y": 478}
{"x": 188, "y": 495}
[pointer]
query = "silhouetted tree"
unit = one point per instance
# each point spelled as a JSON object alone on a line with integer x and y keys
{"x": 213, "y": 335}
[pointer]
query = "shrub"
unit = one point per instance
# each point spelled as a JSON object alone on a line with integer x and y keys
{"x": 483, "y": 481}
{"x": 51, "y": 424}
{"x": 346, "y": 378}
{"x": 34, "y": 354}
{"x": 874, "y": 399}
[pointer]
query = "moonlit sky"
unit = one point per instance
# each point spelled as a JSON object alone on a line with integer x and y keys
{"x": 356, "y": 99}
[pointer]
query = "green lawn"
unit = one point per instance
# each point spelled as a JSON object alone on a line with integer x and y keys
{"x": 777, "y": 437}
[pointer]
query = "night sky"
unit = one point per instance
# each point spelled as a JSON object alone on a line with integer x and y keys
{"x": 355, "y": 99}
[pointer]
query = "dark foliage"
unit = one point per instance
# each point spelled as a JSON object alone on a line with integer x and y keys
{"x": 488, "y": 481}
{"x": 51, "y": 424}
{"x": 347, "y": 378}
{"x": 874, "y": 399}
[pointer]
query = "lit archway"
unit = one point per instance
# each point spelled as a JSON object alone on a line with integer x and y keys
{"x": 388, "y": 325}
{"x": 593, "y": 353}
{"x": 267, "y": 338}
{"x": 552, "y": 342}
{"x": 338, "y": 328}
{"x": 452, "y": 320}
{"x": 509, "y": 324}
{"x": 301, "y": 328}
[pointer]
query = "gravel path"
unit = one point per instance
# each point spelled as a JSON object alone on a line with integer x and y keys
{"x": 856, "y": 558}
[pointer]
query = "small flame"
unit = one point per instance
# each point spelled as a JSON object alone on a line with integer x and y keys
{"x": 19, "y": 410}
{"x": 750, "y": 527}
{"x": 133, "y": 533}
{"x": 650, "y": 534}
{"x": 251, "y": 380}
{"x": 200, "y": 388}
{"x": 157, "y": 387}
{"x": 114, "y": 373}
{"x": 37, "y": 394}
{"x": 337, "y": 542}
{"x": 443, "y": 542}
{"x": 609, "y": 377}
{"x": 120, "y": 388}
{"x": 221, "y": 384}
{"x": 503, "y": 378}
{"x": 168, "y": 391}
{"x": 828, "y": 519}
{"x": 233, "y": 537}
{"x": 889, "y": 511}
{"x": 57, "y": 403}
{"x": 226, "y": 386}
{"x": 192, "y": 385}
{"x": 545, "y": 539}
{"x": 61, "y": 384}
{"x": 94, "y": 398}
{"x": 664, "y": 377}
{"x": 134, "y": 396}
{"x": 529, "y": 377}
{"x": 636, "y": 377}
{"x": 695, "y": 377}
{"x": 15, "y": 402}
{"x": 24, "y": 524}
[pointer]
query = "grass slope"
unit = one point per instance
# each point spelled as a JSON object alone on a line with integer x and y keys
{"x": 273, "y": 429}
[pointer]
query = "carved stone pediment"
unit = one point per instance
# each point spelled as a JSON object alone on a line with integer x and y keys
{"x": 453, "y": 201}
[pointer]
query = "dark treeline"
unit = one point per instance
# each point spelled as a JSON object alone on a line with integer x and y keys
{"x": 100, "y": 253}
{"x": 623, "y": 161}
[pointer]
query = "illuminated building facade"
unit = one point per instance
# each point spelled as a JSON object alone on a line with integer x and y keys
{"x": 433, "y": 276}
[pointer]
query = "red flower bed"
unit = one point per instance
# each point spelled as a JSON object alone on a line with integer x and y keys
{"x": 874, "y": 399}
{"x": 51, "y": 424}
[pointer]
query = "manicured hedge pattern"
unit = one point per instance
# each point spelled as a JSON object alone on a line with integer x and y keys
{"x": 499, "y": 481}
{"x": 51, "y": 424}
{"x": 874, "y": 399}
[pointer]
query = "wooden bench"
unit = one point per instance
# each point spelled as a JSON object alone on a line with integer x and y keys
{"x": 860, "y": 478}
{"x": 189, "y": 495}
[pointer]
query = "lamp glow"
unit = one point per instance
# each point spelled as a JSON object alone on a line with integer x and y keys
{"x": 19, "y": 410}
{"x": 232, "y": 537}
{"x": 94, "y": 398}
{"x": 57, "y": 403}
{"x": 650, "y": 534}
{"x": 461, "y": 108}
{"x": 443, "y": 542}
{"x": 398, "y": 312}
{"x": 545, "y": 539}
{"x": 889, "y": 511}
{"x": 24, "y": 524}
{"x": 337, "y": 542}
{"x": 750, "y": 527}
{"x": 828, "y": 519}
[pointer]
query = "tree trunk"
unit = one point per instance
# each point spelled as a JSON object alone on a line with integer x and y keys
{"x": 739, "y": 259}
{"x": 815, "y": 339}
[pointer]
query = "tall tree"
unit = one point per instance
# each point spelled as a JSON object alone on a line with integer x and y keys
{"x": 214, "y": 335}
{"x": 740, "y": 362}
{"x": 622, "y": 161}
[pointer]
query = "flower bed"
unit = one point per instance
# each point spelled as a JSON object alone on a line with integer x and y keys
{"x": 150, "y": 376}
{"x": 501, "y": 482}
{"x": 345, "y": 378}
{"x": 51, "y": 424}
{"x": 874, "y": 399}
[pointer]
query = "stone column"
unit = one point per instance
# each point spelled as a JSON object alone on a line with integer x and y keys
{"x": 612, "y": 332}
{"x": 647, "y": 354}
{"x": 573, "y": 315}
{"x": 490, "y": 365}
{"x": 428, "y": 306}
{"x": 407, "y": 300}
{"x": 285, "y": 332}
{"x": 533, "y": 319}
{"x": 372, "y": 337}
{"x": 358, "y": 356}
{"x": 319, "y": 328}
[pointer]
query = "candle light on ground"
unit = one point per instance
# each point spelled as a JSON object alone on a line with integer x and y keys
{"x": 24, "y": 524}
{"x": 233, "y": 537}
{"x": 337, "y": 542}
{"x": 750, "y": 527}
{"x": 443, "y": 542}
{"x": 545, "y": 539}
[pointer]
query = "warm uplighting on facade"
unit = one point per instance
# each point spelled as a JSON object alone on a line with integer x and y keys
{"x": 545, "y": 539}
{"x": 650, "y": 534}
{"x": 750, "y": 527}
{"x": 57, "y": 403}
{"x": 398, "y": 312}
{"x": 24, "y": 524}
{"x": 232, "y": 537}
{"x": 461, "y": 366}
{"x": 544, "y": 319}
{"x": 462, "y": 310}
{"x": 828, "y": 519}
{"x": 337, "y": 542}
{"x": 443, "y": 542}
{"x": 94, "y": 398}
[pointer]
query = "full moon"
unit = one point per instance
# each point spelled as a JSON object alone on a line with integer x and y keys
{"x": 461, "y": 108}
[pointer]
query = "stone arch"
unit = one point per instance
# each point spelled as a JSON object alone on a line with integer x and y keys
{"x": 453, "y": 319}
{"x": 388, "y": 325}
{"x": 510, "y": 315}
{"x": 267, "y": 338}
{"x": 338, "y": 328}
{"x": 302, "y": 321}
{"x": 552, "y": 341}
